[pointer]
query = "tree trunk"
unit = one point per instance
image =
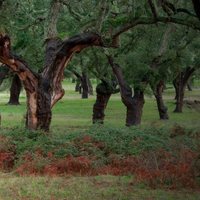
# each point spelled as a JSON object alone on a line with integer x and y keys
{"x": 134, "y": 104}
{"x": 84, "y": 86}
{"x": 39, "y": 107}
{"x": 15, "y": 89}
{"x": 180, "y": 83}
{"x": 102, "y": 98}
{"x": 158, "y": 93}
{"x": 179, "y": 90}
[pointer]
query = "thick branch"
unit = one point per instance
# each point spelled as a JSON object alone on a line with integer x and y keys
{"x": 16, "y": 64}
{"x": 54, "y": 72}
{"x": 146, "y": 21}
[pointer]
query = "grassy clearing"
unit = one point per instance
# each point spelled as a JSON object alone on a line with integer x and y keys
{"x": 83, "y": 188}
{"x": 72, "y": 112}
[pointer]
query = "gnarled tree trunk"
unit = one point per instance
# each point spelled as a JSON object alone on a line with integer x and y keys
{"x": 44, "y": 90}
{"x": 15, "y": 90}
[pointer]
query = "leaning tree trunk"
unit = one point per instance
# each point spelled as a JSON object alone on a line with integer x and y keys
{"x": 134, "y": 104}
{"x": 15, "y": 90}
{"x": 158, "y": 93}
{"x": 102, "y": 98}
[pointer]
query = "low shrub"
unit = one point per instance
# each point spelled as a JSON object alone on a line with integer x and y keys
{"x": 155, "y": 156}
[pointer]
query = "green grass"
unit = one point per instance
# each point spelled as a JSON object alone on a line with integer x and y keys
{"x": 84, "y": 188}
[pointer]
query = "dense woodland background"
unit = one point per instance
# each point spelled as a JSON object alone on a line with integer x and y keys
{"x": 131, "y": 68}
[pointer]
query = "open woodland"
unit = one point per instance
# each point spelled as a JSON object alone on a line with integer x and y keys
{"x": 100, "y": 99}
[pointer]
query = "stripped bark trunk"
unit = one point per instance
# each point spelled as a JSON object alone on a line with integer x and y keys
{"x": 15, "y": 90}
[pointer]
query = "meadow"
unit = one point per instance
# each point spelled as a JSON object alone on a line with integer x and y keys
{"x": 114, "y": 147}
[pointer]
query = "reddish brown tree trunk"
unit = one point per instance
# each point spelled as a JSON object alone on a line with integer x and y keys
{"x": 102, "y": 98}
{"x": 158, "y": 93}
{"x": 15, "y": 90}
